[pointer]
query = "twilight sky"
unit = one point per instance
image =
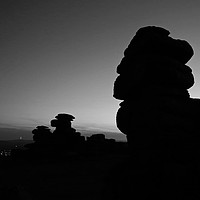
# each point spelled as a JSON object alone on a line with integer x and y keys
{"x": 61, "y": 55}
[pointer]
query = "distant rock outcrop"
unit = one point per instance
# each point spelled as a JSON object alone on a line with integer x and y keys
{"x": 42, "y": 134}
{"x": 63, "y": 139}
{"x": 64, "y": 133}
{"x": 99, "y": 144}
{"x": 157, "y": 114}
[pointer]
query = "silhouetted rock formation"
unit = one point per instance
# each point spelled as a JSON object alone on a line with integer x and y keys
{"x": 97, "y": 138}
{"x": 63, "y": 140}
{"x": 42, "y": 137}
{"x": 66, "y": 140}
{"x": 41, "y": 134}
{"x": 99, "y": 144}
{"x": 63, "y": 123}
{"x": 157, "y": 114}
{"x": 64, "y": 133}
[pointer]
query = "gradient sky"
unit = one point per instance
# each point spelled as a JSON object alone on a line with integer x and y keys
{"x": 61, "y": 55}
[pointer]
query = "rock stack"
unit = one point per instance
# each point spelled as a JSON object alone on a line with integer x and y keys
{"x": 63, "y": 124}
{"x": 64, "y": 133}
{"x": 157, "y": 114}
{"x": 41, "y": 134}
{"x": 64, "y": 138}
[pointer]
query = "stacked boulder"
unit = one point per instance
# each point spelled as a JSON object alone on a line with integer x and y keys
{"x": 157, "y": 114}
{"x": 42, "y": 137}
{"x": 64, "y": 133}
{"x": 42, "y": 134}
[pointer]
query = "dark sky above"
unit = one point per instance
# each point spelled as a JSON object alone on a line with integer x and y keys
{"x": 61, "y": 55}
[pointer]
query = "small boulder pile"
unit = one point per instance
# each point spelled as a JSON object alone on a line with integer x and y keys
{"x": 63, "y": 139}
{"x": 42, "y": 134}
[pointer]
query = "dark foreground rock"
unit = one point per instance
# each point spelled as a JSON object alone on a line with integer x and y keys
{"x": 157, "y": 114}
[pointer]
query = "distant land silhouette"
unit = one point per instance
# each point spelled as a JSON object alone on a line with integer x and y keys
{"x": 16, "y": 133}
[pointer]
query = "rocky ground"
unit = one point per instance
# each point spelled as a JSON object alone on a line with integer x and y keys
{"x": 97, "y": 176}
{"x": 73, "y": 177}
